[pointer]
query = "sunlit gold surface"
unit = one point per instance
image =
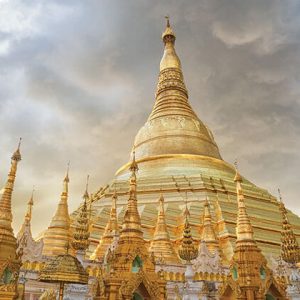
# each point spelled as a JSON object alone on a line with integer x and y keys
{"x": 290, "y": 251}
{"x": 57, "y": 237}
{"x": 81, "y": 231}
{"x": 250, "y": 278}
{"x": 123, "y": 277}
{"x": 111, "y": 231}
{"x": 10, "y": 261}
{"x": 208, "y": 233}
{"x": 177, "y": 154}
{"x": 161, "y": 245}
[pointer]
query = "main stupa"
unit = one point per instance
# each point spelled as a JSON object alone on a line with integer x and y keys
{"x": 179, "y": 159}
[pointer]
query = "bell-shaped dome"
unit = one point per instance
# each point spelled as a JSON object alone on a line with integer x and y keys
{"x": 173, "y": 127}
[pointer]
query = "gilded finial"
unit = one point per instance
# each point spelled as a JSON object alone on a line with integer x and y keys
{"x": 187, "y": 251}
{"x": 290, "y": 250}
{"x": 86, "y": 193}
{"x": 186, "y": 212}
{"x": 133, "y": 166}
{"x": 237, "y": 177}
{"x": 17, "y": 155}
{"x": 168, "y": 20}
{"x": 279, "y": 194}
{"x": 168, "y": 35}
{"x": 67, "y": 174}
{"x": 30, "y": 204}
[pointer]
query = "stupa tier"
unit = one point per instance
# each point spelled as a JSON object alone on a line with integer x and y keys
{"x": 179, "y": 159}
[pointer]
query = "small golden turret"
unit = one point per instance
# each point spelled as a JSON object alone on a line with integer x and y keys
{"x": 129, "y": 262}
{"x": 28, "y": 216}
{"x": 290, "y": 251}
{"x": 244, "y": 230}
{"x": 161, "y": 245}
{"x": 132, "y": 222}
{"x": 187, "y": 250}
{"x": 111, "y": 231}
{"x": 57, "y": 237}
{"x": 81, "y": 231}
{"x": 8, "y": 245}
{"x": 10, "y": 257}
{"x": 249, "y": 272}
{"x": 208, "y": 234}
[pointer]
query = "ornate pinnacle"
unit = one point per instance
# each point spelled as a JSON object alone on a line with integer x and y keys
{"x": 29, "y": 207}
{"x": 8, "y": 245}
{"x": 81, "y": 234}
{"x": 168, "y": 35}
{"x": 132, "y": 221}
{"x": 133, "y": 166}
{"x": 17, "y": 155}
{"x": 290, "y": 251}
{"x": 86, "y": 194}
{"x": 244, "y": 229}
{"x": 187, "y": 251}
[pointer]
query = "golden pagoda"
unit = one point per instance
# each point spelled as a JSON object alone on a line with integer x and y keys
{"x": 208, "y": 233}
{"x": 187, "y": 250}
{"x": 250, "y": 278}
{"x": 111, "y": 232}
{"x": 161, "y": 245}
{"x": 290, "y": 251}
{"x": 27, "y": 218}
{"x": 10, "y": 261}
{"x": 32, "y": 250}
{"x": 178, "y": 155}
{"x": 130, "y": 269}
{"x": 81, "y": 231}
{"x": 58, "y": 237}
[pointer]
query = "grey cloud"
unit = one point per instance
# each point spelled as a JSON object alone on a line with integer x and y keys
{"x": 79, "y": 80}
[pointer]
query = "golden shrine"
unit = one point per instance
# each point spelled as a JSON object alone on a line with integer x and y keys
{"x": 176, "y": 222}
{"x": 178, "y": 158}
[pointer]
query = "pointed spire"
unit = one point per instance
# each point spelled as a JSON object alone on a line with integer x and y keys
{"x": 57, "y": 236}
{"x": 168, "y": 35}
{"x": 29, "y": 207}
{"x": 161, "y": 245}
{"x": 183, "y": 132}
{"x": 290, "y": 251}
{"x": 208, "y": 234}
{"x": 28, "y": 215}
{"x": 111, "y": 231}
{"x": 132, "y": 222}
{"x": 81, "y": 232}
{"x": 187, "y": 250}
{"x": 8, "y": 244}
{"x": 244, "y": 229}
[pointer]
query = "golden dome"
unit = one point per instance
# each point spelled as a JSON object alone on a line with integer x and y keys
{"x": 173, "y": 127}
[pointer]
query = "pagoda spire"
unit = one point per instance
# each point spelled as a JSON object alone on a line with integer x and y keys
{"x": 110, "y": 233}
{"x": 244, "y": 230}
{"x": 187, "y": 250}
{"x": 57, "y": 236}
{"x": 171, "y": 81}
{"x": 28, "y": 216}
{"x": 81, "y": 232}
{"x": 8, "y": 245}
{"x": 161, "y": 245}
{"x": 208, "y": 234}
{"x": 173, "y": 127}
{"x": 132, "y": 222}
{"x": 249, "y": 271}
{"x": 290, "y": 251}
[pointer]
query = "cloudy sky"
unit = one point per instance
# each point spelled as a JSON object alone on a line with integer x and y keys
{"x": 77, "y": 80}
